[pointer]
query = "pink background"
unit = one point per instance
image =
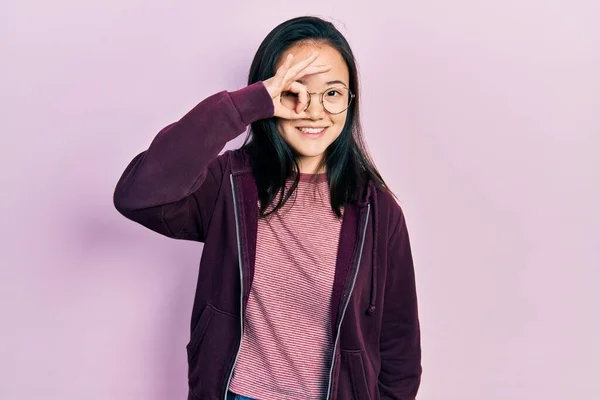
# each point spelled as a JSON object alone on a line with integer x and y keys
{"x": 482, "y": 116}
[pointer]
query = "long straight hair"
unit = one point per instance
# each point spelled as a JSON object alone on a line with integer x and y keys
{"x": 348, "y": 164}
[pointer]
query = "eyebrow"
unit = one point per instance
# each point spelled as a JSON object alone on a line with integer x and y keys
{"x": 327, "y": 83}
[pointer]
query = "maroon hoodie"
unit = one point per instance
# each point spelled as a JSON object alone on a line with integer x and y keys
{"x": 182, "y": 188}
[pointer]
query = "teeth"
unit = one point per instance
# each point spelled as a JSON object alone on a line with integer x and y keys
{"x": 312, "y": 130}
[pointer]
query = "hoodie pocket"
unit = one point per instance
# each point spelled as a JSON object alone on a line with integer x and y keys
{"x": 211, "y": 346}
{"x": 352, "y": 377}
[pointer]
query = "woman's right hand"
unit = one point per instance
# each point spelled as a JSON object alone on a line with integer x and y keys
{"x": 286, "y": 80}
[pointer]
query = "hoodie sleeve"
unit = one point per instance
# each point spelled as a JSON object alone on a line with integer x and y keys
{"x": 172, "y": 187}
{"x": 400, "y": 343}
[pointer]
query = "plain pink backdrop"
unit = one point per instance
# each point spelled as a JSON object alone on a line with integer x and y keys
{"x": 482, "y": 116}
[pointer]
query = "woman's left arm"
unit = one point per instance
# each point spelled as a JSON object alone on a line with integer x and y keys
{"x": 400, "y": 342}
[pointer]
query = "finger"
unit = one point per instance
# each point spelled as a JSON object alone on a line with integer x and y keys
{"x": 302, "y": 92}
{"x": 286, "y": 113}
{"x": 301, "y": 65}
{"x": 284, "y": 68}
{"x": 313, "y": 69}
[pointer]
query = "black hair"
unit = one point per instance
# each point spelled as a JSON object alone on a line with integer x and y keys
{"x": 348, "y": 164}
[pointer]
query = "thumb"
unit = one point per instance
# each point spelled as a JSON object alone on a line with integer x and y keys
{"x": 283, "y": 112}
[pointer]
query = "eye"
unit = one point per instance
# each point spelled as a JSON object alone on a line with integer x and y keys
{"x": 333, "y": 93}
{"x": 289, "y": 94}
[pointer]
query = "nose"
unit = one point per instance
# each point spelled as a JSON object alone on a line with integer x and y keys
{"x": 315, "y": 109}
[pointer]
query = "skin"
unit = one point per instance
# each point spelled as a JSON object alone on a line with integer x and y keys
{"x": 310, "y": 68}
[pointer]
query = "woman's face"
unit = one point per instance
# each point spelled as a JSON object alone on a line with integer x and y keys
{"x": 310, "y": 147}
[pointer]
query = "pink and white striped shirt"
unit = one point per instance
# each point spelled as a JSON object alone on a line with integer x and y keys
{"x": 287, "y": 345}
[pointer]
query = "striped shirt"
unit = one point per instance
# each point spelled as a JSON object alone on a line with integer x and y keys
{"x": 287, "y": 345}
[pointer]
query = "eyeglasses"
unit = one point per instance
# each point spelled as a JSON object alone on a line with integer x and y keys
{"x": 335, "y": 100}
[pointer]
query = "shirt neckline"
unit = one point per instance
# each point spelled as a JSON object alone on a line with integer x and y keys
{"x": 322, "y": 177}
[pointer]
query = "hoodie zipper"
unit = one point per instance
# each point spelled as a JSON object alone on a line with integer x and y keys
{"x": 239, "y": 247}
{"x": 337, "y": 336}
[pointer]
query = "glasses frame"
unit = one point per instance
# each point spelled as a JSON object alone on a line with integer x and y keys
{"x": 310, "y": 94}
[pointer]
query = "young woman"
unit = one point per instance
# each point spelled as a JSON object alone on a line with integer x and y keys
{"x": 306, "y": 287}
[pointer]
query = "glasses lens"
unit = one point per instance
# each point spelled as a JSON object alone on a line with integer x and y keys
{"x": 336, "y": 100}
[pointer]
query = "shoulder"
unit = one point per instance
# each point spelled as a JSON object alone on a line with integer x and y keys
{"x": 389, "y": 212}
{"x": 233, "y": 160}
{"x": 240, "y": 159}
{"x": 388, "y": 204}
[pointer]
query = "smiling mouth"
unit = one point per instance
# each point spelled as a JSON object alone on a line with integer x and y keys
{"x": 311, "y": 130}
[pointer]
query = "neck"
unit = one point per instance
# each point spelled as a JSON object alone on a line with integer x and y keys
{"x": 311, "y": 166}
